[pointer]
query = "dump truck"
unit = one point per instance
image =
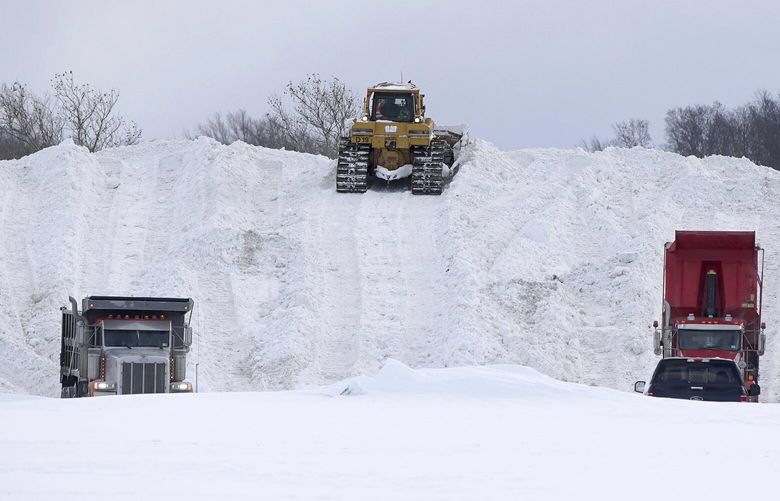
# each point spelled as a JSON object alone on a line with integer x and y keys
{"x": 125, "y": 345}
{"x": 393, "y": 139}
{"x": 712, "y": 299}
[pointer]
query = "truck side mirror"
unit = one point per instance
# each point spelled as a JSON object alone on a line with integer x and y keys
{"x": 639, "y": 387}
{"x": 187, "y": 336}
{"x": 657, "y": 343}
{"x": 761, "y": 343}
{"x": 754, "y": 390}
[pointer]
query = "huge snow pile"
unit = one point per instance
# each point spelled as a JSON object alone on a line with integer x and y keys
{"x": 545, "y": 258}
{"x": 436, "y": 434}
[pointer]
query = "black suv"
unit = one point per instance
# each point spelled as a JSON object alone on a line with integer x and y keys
{"x": 713, "y": 379}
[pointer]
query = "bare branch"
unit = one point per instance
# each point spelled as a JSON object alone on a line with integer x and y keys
{"x": 89, "y": 114}
{"x": 631, "y": 133}
{"x": 320, "y": 109}
{"x": 26, "y": 120}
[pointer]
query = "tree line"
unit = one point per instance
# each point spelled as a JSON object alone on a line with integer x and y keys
{"x": 31, "y": 122}
{"x": 751, "y": 130}
{"x": 311, "y": 116}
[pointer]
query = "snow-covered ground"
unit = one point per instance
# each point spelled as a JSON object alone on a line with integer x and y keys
{"x": 493, "y": 432}
{"x": 545, "y": 258}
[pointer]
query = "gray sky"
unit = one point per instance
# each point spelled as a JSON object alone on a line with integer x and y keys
{"x": 522, "y": 74}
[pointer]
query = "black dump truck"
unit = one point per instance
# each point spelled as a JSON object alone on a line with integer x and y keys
{"x": 125, "y": 345}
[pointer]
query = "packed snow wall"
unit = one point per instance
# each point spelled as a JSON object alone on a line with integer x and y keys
{"x": 546, "y": 258}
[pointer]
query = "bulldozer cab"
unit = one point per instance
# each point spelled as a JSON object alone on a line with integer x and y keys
{"x": 394, "y": 103}
{"x": 393, "y": 107}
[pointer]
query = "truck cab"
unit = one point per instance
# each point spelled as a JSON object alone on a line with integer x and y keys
{"x": 123, "y": 345}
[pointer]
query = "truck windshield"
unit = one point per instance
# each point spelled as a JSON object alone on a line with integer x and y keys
{"x": 694, "y": 339}
{"x": 393, "y": 107}
{"x": 134, "y": 338}
{"x": 696, "y": 373}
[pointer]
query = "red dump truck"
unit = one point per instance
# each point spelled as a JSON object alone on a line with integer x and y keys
{"x": 713, "y": 288}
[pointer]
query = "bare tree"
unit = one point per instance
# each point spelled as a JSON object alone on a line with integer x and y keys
{"x": 27, "y": 122}
{"x": 751, "y": 130}
{"x": 743, "y": 129}
{"x": 720, "y": 134}
{"x": 631, "y": 133}
{"x": 766, "y": 130}
{"x": 686, "y": 130}
{"x": 89, "y": 114}
{"x": 240, "y": 126}
{"x": 11, "y": 148}
{"x": 214, "y": 127}
{"x": 595, "y": 144}
{"x": 320, "y": 110}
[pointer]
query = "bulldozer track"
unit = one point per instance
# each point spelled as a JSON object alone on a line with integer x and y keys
{"x": 428, "y": 168}
{"x": 352, "y": 168}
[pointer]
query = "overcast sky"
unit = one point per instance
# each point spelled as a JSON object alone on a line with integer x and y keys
{"x": 522, "y": 74}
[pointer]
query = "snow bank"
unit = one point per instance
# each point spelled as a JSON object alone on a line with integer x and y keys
{"x": 479, "y": 433}
{"x": 545, "y": 258}
{"x": 489, "y": 381}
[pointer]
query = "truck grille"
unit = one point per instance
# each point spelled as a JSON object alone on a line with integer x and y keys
{"x": 143, "y": 378}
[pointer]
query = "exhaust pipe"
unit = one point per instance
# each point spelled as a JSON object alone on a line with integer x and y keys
{"x": 74, "y": 306}
{"x": 710, "y": 303}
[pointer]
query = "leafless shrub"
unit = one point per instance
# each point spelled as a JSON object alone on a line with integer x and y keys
{"x": 631, "y": 133}
{"x": 27, "y": 122}
{"x": 240, "y": 126}
{"x": 320, "y": 111}
{"x": 89, "y": 114}
{"x": 595, "y": 144}
{"x": 11, "y": 148}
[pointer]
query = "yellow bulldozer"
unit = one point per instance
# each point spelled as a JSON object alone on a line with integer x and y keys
{"x": 394, "y": 140}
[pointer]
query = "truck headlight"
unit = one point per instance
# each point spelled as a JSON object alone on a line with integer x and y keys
{"x": 103, "y": 386}
{"x": 181, "y": 387}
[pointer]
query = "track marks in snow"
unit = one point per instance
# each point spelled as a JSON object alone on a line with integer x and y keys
{"x": 402, "y": 276}
{"x": 17, "y": 281}
{"x": 550, "y": 258}
{"x": 15, "y": 265}
{"x": 423, "y": 305}
{"x": 338, "y": 273}
{"x": 131, "y": 208}
{"x": 378, "y": 273}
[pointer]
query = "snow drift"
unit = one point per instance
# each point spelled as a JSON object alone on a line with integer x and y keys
{"x": 494, "y": 432}
{"x": 545, "y": 258}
